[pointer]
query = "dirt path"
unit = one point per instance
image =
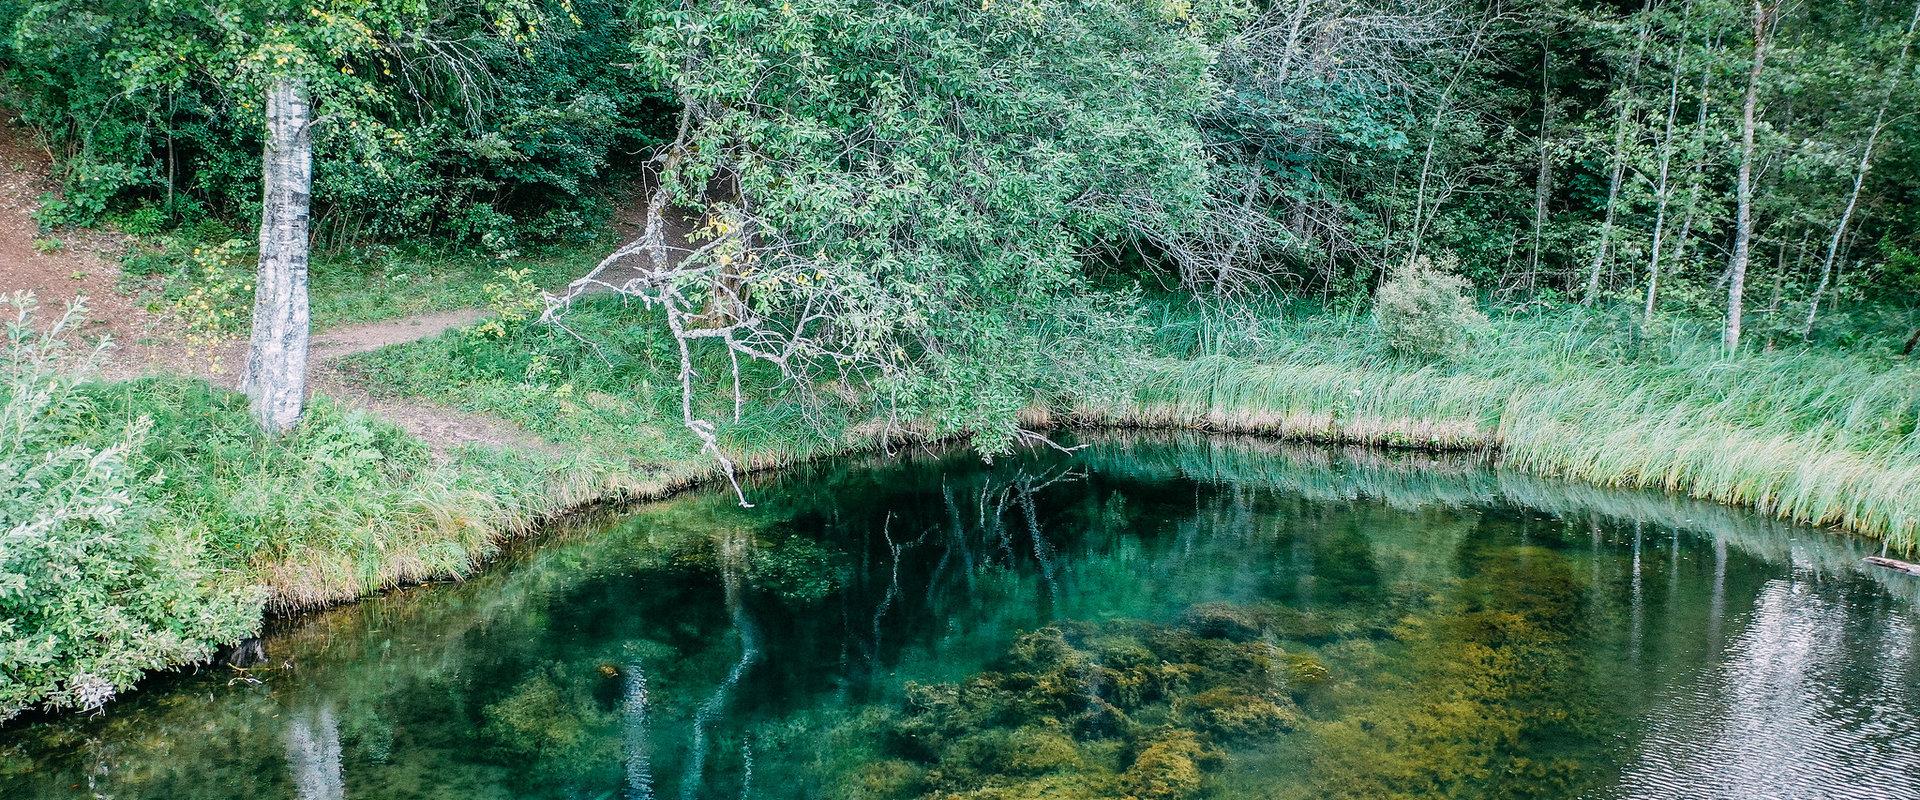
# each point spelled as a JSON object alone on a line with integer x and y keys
{"x": 69, "y": 265}
{"x": 341, "y": 342}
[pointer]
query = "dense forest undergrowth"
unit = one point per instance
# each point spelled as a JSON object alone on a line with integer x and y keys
{"x": 1613, "y": 243}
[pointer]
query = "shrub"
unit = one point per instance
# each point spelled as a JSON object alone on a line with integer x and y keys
{"x": 94, "y": 587}
{"x": 1425, "y": 311}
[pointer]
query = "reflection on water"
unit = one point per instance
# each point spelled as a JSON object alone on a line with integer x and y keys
{"x": 1157, "y": 618}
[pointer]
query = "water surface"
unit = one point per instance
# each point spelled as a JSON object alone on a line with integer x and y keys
{"x": 1150, "y": 618}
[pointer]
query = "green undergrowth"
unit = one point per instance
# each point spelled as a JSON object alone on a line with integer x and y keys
{"x": 607, "y": 384}
{"x": 345, "y": 504}
{"x": 1822, "y": 434}
{"x": 150, "y": 521}
{"x": 203, "y": 270}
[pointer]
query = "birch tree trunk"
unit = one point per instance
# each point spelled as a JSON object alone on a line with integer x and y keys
{"x": 275, "y": 377}
{"x": 1859, "y": 178}
{"x": 1543, "y": 179}
{"x": 1663, "y": 191}
{"x": 1619, "y": 168}
{"x": 1743, "y": 217}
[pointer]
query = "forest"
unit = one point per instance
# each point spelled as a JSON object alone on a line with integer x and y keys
{"x": 1650, "y": 244}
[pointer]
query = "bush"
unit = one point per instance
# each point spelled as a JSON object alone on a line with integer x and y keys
{"x": 95, "y": 588}
{"x": 1425, "y": 311}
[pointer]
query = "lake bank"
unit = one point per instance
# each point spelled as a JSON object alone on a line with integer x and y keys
{"x": 848, "y": 633}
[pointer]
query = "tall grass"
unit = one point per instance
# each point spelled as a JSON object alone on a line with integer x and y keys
{"x": 1814, "y": 434}
{"x": 345, "y": 505}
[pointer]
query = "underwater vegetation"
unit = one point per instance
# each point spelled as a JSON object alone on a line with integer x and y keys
{"x": 1493, "y": 698}
{"x": 1110, "y": 709}
{"x": 1475, "y": 688}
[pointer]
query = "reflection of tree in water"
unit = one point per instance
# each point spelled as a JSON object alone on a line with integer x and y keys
{"x": 313, "y": 750}
{"x": 733, "y": 549}
{"x": 1000, "y": 530}
{"x": 637, "y": 747}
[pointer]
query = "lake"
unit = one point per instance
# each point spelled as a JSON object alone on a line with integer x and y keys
{"x": 1149, "y": 617}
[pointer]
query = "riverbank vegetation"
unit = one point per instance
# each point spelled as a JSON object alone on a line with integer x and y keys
{"x": 1667, "y": 244}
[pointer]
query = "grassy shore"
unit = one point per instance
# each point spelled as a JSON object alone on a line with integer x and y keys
{"x": 1817, "y": 434}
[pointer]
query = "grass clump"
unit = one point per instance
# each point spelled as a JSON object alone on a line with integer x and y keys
{"x": 344, "y": 505}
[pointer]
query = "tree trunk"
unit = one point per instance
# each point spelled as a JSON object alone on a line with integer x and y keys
{"x": 1859, "y": 179}
{"x": 1743, "y": 217}
{"x": 1663, "y": 190}
{"x": 1619, "y": 169}
{"x": 275, "y": 378}
{"x": 1543, "y": 180}
{"x": 1696, "y": 182}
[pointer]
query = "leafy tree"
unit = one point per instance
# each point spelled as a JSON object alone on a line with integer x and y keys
{"x": 905, "y": 195}
{"x": 482, "y": 120}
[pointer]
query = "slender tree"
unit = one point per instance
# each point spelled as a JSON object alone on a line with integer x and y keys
{"x": 1617, "y": 172}
{"x": 1860, "y": 174}
{"x": 1663, "y": 189}
{"x": 1743, "y": 193}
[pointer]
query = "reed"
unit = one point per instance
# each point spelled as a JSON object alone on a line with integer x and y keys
{"x": 1819, "y": 435}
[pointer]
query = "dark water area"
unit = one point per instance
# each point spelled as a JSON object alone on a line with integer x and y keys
{"x": 1146, "y": 618}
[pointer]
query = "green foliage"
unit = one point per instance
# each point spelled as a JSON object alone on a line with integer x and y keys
{"x": 481, "y": 121}
{"x": 98, "y": 583}
{"x": 512, "y": 301}
{"x": 1425, "y": 310}
{"x": 927, "y": 177}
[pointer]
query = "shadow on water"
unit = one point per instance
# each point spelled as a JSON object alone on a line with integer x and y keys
{"x": 1153, "y": 617}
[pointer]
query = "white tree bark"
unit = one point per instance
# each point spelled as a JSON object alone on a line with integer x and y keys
{"x": 1743, "y": 217}
{"x": 275, "y": 377}
{"x": 1663, "y": 190}
{"x": 1619, "y": 169}
{"x": 1859, "y": 178}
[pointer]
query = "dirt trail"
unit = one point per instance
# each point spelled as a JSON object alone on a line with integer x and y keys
{"x": 341, "y": 342}
{"x": 85, "y": 264}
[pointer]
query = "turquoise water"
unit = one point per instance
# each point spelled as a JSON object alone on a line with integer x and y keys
{"x": 1150, "y": 618}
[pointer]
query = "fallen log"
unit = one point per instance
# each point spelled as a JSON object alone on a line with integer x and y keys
{"x": 1897, "y": 566}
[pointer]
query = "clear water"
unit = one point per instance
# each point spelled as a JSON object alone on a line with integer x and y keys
{"x": 1053, "y": 626}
